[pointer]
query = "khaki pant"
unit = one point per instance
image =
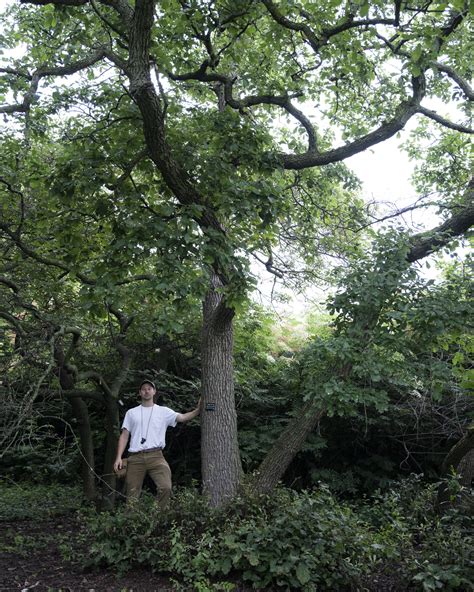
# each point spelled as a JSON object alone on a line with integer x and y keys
{"x": 153, "y": 463}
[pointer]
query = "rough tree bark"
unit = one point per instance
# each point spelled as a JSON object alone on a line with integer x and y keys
{"x": 81, "y": 413}
{"x": 286, "y": 447}
{"x": 221, "y": 466}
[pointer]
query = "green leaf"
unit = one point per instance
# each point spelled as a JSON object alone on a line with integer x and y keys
{"x": 303, "y": 574}
{"x": 364, "y": 9}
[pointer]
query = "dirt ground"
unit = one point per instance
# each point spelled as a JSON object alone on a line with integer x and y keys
{"x": 33, "y": 561}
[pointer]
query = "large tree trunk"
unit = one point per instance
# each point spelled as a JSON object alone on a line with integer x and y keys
{"x": 221, "y": 466}
{"x": 111, "y": 395}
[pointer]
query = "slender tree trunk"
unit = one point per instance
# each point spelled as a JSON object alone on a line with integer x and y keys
{"x": 81, "y": 413}
{"x": 221, "y": 466}
{"x": 109, "y": 480}
{"x": 286, "y": 447}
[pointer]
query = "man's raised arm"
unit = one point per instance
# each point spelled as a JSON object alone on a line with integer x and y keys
{"x": 184, "y": 417}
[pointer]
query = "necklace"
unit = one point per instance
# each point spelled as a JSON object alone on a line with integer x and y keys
{"x": 143, "y": 440}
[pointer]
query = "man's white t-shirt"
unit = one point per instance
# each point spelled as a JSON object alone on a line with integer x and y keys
{"x": 149, "y": 423}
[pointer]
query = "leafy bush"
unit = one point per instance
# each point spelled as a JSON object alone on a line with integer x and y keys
{"x": 46, "y": 459}
{"x": 298, "y": 541}
{"x": 431, "y": 551}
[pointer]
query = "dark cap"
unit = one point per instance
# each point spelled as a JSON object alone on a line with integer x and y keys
{"x": 146, "y": 381}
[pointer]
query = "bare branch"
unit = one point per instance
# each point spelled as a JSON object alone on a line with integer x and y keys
{"x": 269, "y": 265}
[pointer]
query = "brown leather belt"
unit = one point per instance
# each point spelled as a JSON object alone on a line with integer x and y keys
{"x": 146, "y": 450}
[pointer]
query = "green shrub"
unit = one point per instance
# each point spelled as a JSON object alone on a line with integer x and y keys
{"x": 42, "y": 461}
{"x": 431, "y": 551}
{"x": 300, "y": 541}
{"x": 289, "y": 541}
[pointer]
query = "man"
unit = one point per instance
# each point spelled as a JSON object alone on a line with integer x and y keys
{"x": 147, "y": 424}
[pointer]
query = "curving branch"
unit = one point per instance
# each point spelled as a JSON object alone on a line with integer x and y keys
{"x": 405, "y": 111}
{"x": 459, "y": 80}
{"x": 314, "y": 41}
{"x": 95, "y": 377}
{"x": 425, "y": 243}
{"x": 31, "y": 94}
{"x": 15, "y": 72}
{"x": 227, "y": 82}
{"x": 50, "y": 262}
{"x": 56, "y": 2}
{"x": 284, "y": 102}
{"x": 7, "y": 282}
{"x": 445, "y": 122}
{"x": 12, "y": 320}
{"x": 121, "y": 6}
{"x": 318, "y": 41}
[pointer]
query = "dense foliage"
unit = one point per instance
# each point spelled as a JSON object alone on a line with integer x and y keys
{"x": 300, "y": 541}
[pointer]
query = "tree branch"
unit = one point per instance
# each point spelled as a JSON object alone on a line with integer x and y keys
{"x": 56, "y": 2}
{"x": 95, "y": 377}
{"x": 445, "y": 122}
{"x": 463, "y": 84}
{"x": 12, "y": 321}
{"x": 405, "y": 111}
{"x": 77, "y": 393}
{"x": 315, "y": 41}
{"x": 426, "y": 243}
{"x": 121, "y": 6}
{"x": 40, "y": 73}
{"x": 9, "y": 283}
{"x": 58, "y": 264}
